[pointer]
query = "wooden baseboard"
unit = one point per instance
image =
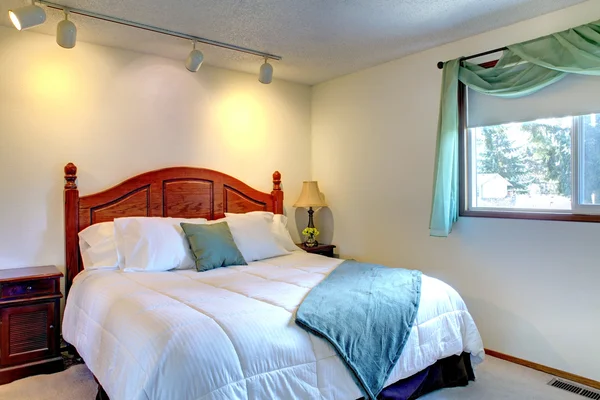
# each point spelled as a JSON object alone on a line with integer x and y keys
{"x": 543, "y": 368}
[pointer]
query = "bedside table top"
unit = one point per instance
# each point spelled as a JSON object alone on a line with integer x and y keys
{"x": 29, "y": 273}
{"x": 317, "y": 248}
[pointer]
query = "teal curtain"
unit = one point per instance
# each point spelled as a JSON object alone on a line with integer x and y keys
{"x": 523, "y": 69}
{"x": 444, "y": 210}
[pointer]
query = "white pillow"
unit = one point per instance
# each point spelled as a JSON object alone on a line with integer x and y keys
{"x": 278, "y": 224}
{"x": 153, "y": 244}
{"x": 98, "y": 233}
{"x": 282, "y": 234}
{"x": 97, "y": 246}
{"x": 253, "y": 236}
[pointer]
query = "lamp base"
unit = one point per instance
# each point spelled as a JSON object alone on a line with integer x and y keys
{"x": 310, "y": 239}
{"x": 310, "y": 218}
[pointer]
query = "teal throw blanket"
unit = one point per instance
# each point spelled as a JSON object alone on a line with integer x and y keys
{"x": 366, "y": 312}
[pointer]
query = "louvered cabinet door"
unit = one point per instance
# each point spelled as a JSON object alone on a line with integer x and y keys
{"x": 27, "y": 333}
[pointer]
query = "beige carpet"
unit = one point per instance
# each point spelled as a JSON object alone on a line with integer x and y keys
{"x": 496, "y": 380}
{"x": 76, "y": 383}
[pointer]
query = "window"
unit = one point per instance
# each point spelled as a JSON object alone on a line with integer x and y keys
{"x": 545, "y": 167}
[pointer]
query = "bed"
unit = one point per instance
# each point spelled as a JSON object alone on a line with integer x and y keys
{"x": 229, "y": 333}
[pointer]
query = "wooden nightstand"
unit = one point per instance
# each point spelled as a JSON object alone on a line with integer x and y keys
{"x": 29, "y": 322}
{"x": 322, "y": 249}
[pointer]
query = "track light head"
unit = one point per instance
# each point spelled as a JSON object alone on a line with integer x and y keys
{"x": 194, "y": 60}
{"x": 66, "y": 33}
{"x": 266, "y": 73}
{"x": 27, "y": 17}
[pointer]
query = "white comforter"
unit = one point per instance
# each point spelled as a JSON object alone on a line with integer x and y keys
{"x": 229, "y": 333}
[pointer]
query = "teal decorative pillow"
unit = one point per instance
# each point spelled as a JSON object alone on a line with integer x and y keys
{"x": 212, "y": 246}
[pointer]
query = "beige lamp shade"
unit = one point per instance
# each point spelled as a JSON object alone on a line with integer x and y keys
{"x": 310, "y": 196}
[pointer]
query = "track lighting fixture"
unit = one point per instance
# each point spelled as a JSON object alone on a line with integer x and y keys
{"x": 194, "y": 60}
{"x": 266, "y": 73}
{"x": 27, "y": 17}
{"x": 66, "y": 32}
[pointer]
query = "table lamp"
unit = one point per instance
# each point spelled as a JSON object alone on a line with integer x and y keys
{"x": 310, "y": 197}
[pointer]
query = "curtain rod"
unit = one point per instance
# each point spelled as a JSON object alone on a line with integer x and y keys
{"x": 155, "y": 29}
{"x": 440, "y": 64}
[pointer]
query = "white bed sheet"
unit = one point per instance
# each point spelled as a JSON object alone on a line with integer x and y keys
{"x": 230, "y": 333}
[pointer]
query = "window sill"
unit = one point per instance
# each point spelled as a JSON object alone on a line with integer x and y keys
{"x": 531, "y": 215}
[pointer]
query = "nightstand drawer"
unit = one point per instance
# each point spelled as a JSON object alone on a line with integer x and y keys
{"x": 13, "y": 290}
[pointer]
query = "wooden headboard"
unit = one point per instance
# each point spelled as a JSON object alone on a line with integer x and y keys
{"x": 182, "y": 192}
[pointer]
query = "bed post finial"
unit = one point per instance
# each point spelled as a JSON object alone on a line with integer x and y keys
{"x": 70, "y": 176}
{"x": 276, "y": 180}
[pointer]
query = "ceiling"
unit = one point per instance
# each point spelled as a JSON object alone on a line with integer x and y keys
{"x": 318, "y": 39}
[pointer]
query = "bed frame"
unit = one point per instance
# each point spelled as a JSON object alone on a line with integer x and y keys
{"x": 182, "y": 192}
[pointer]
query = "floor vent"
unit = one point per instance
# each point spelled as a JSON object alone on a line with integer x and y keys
{"x": 574, "y": 388}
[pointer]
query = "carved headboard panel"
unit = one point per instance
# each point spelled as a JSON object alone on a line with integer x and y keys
{"x": 182, "y": 192}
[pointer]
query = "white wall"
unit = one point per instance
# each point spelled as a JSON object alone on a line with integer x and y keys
{"x": 532, "y": 286}
{"x": 117, "y": 113}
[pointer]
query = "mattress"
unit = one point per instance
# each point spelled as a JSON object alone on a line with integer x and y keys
{"x": 229, "y": 333}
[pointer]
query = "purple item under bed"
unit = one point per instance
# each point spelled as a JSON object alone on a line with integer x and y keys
{"x": 445, "y": 373}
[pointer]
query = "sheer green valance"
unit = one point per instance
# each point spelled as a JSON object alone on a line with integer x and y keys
{"x": 523, "y": 69}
